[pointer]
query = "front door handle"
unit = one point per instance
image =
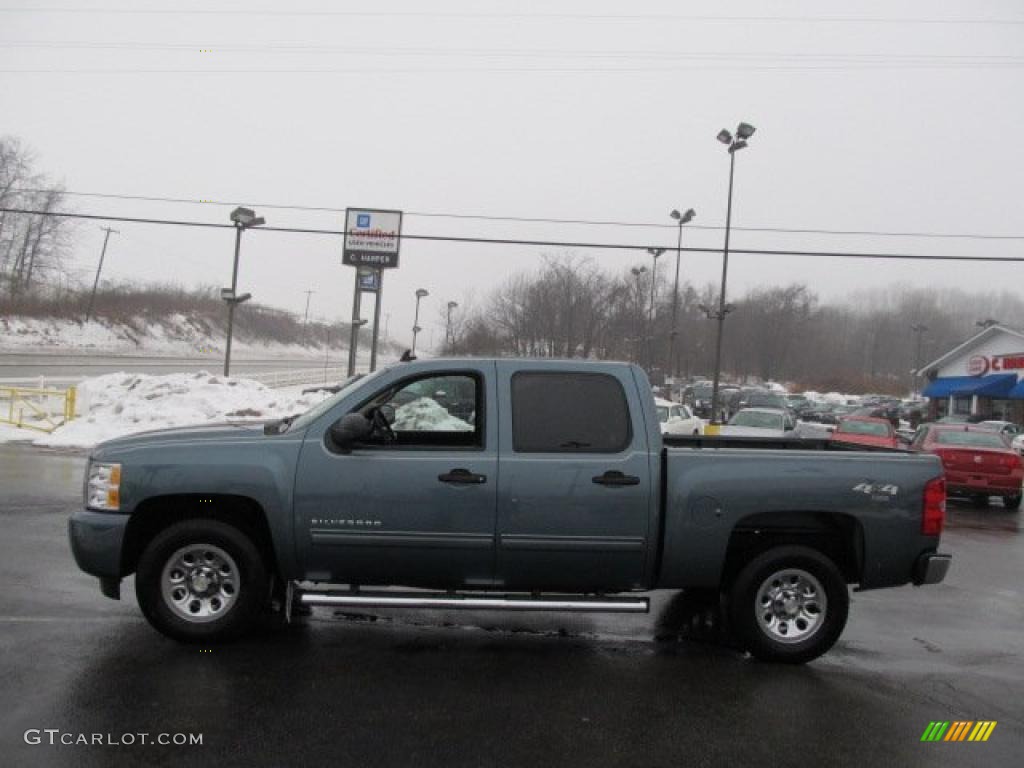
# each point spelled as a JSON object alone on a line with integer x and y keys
{"x": 615, "y": 478}
{"x": 462, "y": 477}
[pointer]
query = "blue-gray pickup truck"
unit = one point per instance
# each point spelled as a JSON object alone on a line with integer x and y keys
{"x": 502, "y": 484}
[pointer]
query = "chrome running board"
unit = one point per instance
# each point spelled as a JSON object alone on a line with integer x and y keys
{"x": 449, "y": 601}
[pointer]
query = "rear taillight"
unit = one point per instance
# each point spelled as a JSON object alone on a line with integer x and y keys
{"x": 934, "y": 515}
{"x": 1013, "y": 462}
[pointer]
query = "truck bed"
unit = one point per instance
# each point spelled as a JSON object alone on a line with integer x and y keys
{"x": 776, "y": 443}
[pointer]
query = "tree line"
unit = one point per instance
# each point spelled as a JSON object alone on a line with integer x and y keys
{"x": 32, "y": 247}
{"x": 570, "y": 307}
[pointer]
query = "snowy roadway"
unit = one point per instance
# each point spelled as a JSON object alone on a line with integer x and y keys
{"x": 62, "y": 369}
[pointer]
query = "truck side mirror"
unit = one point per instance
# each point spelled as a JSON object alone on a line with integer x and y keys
{"x": 348, "y": 429}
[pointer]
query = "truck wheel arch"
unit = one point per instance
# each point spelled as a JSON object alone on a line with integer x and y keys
{"x": 159, "y": 512}
{"x": 836, "y": 535}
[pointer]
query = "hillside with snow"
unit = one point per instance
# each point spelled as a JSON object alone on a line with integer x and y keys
{"x": 177, "y": 335}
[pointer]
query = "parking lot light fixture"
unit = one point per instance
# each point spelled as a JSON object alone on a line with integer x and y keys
{"x": 655, "y": 254}
{"x": 420, "y": 294}
{"x": 638, "y": 274}
{"x": 743, "y": 132}
{"x": 672, "y": 361}
{"x": 920, "y": 329}
{"x": 242, "y": 218}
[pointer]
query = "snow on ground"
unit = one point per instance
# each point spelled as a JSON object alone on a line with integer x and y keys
{"x": 426, "y": 415}
{"x": 118, "y": 404}
{"x": 124, "y": 403}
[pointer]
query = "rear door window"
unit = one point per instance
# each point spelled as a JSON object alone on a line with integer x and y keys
{"x": 569, "y": 413}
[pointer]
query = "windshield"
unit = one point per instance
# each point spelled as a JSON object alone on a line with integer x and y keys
{"x": 766, "y": 398}
{"x": 662, "y": 412}
{"x": 323, "y": 407}
{"x": 975, "y": 439}
{"x": 872, "y": 428}
{"x": 758, "y": 419}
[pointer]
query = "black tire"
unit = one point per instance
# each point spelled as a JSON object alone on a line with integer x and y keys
{"x": 243, "y": 566}
{"x": 979, "y": 500}
{"x": 1012, "y": 502}
{"x": 825, "y": 625}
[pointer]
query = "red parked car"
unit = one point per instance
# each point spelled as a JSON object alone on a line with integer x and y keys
{"x": 978, "y": 463}
{"x": 865, "y": 430}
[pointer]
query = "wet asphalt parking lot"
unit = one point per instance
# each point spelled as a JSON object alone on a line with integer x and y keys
{"x": 398, "y": 688}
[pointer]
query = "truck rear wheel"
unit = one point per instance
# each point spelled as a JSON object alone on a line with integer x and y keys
{"x": 1012, "y": 502}
{"x": 201, "y": 581}
{"x": 789, "y": 605}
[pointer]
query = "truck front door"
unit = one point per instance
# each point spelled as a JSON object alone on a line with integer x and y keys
{"x": 575, "y": 496}
{"x": 417, "y": 509}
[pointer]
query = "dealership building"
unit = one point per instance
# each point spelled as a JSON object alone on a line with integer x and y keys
{"x": 984, "y": 376}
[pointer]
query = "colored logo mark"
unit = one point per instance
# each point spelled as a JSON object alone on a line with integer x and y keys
{"x": 363, "y": 220}
{"x": 958, "y": 730}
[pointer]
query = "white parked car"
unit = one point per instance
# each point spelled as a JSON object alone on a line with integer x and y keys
{"x": 1009, "y": 430}
{"x": 760, "y": 422}
{"x": 677, "y": 419}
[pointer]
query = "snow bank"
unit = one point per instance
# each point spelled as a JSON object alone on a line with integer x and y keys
{"x": 426, "y": 415}
{"x": 122, "y": 404}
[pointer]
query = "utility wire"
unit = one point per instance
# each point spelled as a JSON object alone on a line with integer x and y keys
{"x": 542, "y": 243}
{"x": 564, "y": 53}
{"x": 536, "y": 220}
{"x": 693, "y": 67}
{"x": 498, "y": 16}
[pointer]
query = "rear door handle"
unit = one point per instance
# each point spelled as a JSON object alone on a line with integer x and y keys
{"x": 616, "y": 478}
{"x": 462, "y": 477}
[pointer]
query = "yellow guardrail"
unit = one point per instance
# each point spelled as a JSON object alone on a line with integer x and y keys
{"x": 36, "y": 407}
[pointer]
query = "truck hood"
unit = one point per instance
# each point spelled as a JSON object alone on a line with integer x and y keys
{"x": 204, "y": 432}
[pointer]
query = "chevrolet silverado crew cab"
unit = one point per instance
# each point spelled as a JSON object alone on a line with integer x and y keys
{"x": 503, "y": 484}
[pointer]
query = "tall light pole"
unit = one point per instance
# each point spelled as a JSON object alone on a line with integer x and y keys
{"x": 243, "y": 218}
{"x": 449, "y": 337}
{"x": 655, "y": 253}
{"x": 420, "y": 293}
{"x": 638, "y": 274}
{"x": 743, "y": 132}
{"x": 673, "y": 348}
{"x": 920, "y": 329}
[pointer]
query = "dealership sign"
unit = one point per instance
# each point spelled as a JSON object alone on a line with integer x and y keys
{"x": 979, "y": 365}
{"x": 372, "y": 238}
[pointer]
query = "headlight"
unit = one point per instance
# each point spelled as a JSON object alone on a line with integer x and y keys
{"x": 103, "y": 487}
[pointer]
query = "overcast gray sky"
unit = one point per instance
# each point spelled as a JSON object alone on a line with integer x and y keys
{"x": 889, "y": 118}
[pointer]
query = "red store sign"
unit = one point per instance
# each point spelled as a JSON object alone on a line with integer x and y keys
{"x": 979, "y": 365}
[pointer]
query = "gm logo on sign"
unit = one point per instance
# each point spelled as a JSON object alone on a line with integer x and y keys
{"x": 960, "y": 730}
{"x": 363, "y": 220}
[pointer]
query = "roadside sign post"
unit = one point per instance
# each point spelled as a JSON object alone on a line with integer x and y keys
{"x": 372, "y": 239}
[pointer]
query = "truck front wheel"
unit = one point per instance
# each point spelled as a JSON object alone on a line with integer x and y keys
{"x": 789, "y": 604}
{"x": 201, "y": 581}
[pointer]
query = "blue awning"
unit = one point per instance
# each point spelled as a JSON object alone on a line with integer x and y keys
{"x": 995, "y": 385}
{"x": 1017, "y": 393}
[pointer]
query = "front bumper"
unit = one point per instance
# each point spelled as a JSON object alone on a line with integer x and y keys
{"x": 931, "y": 568}
{"x": 96, "y": 541}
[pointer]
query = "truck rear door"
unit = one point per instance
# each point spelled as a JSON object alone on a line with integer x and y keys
{"x": 575, "y": 481}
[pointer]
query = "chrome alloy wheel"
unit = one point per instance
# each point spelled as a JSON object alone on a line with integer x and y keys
{"x": 200, "y": 583}
{"x": 790, "y": 606}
